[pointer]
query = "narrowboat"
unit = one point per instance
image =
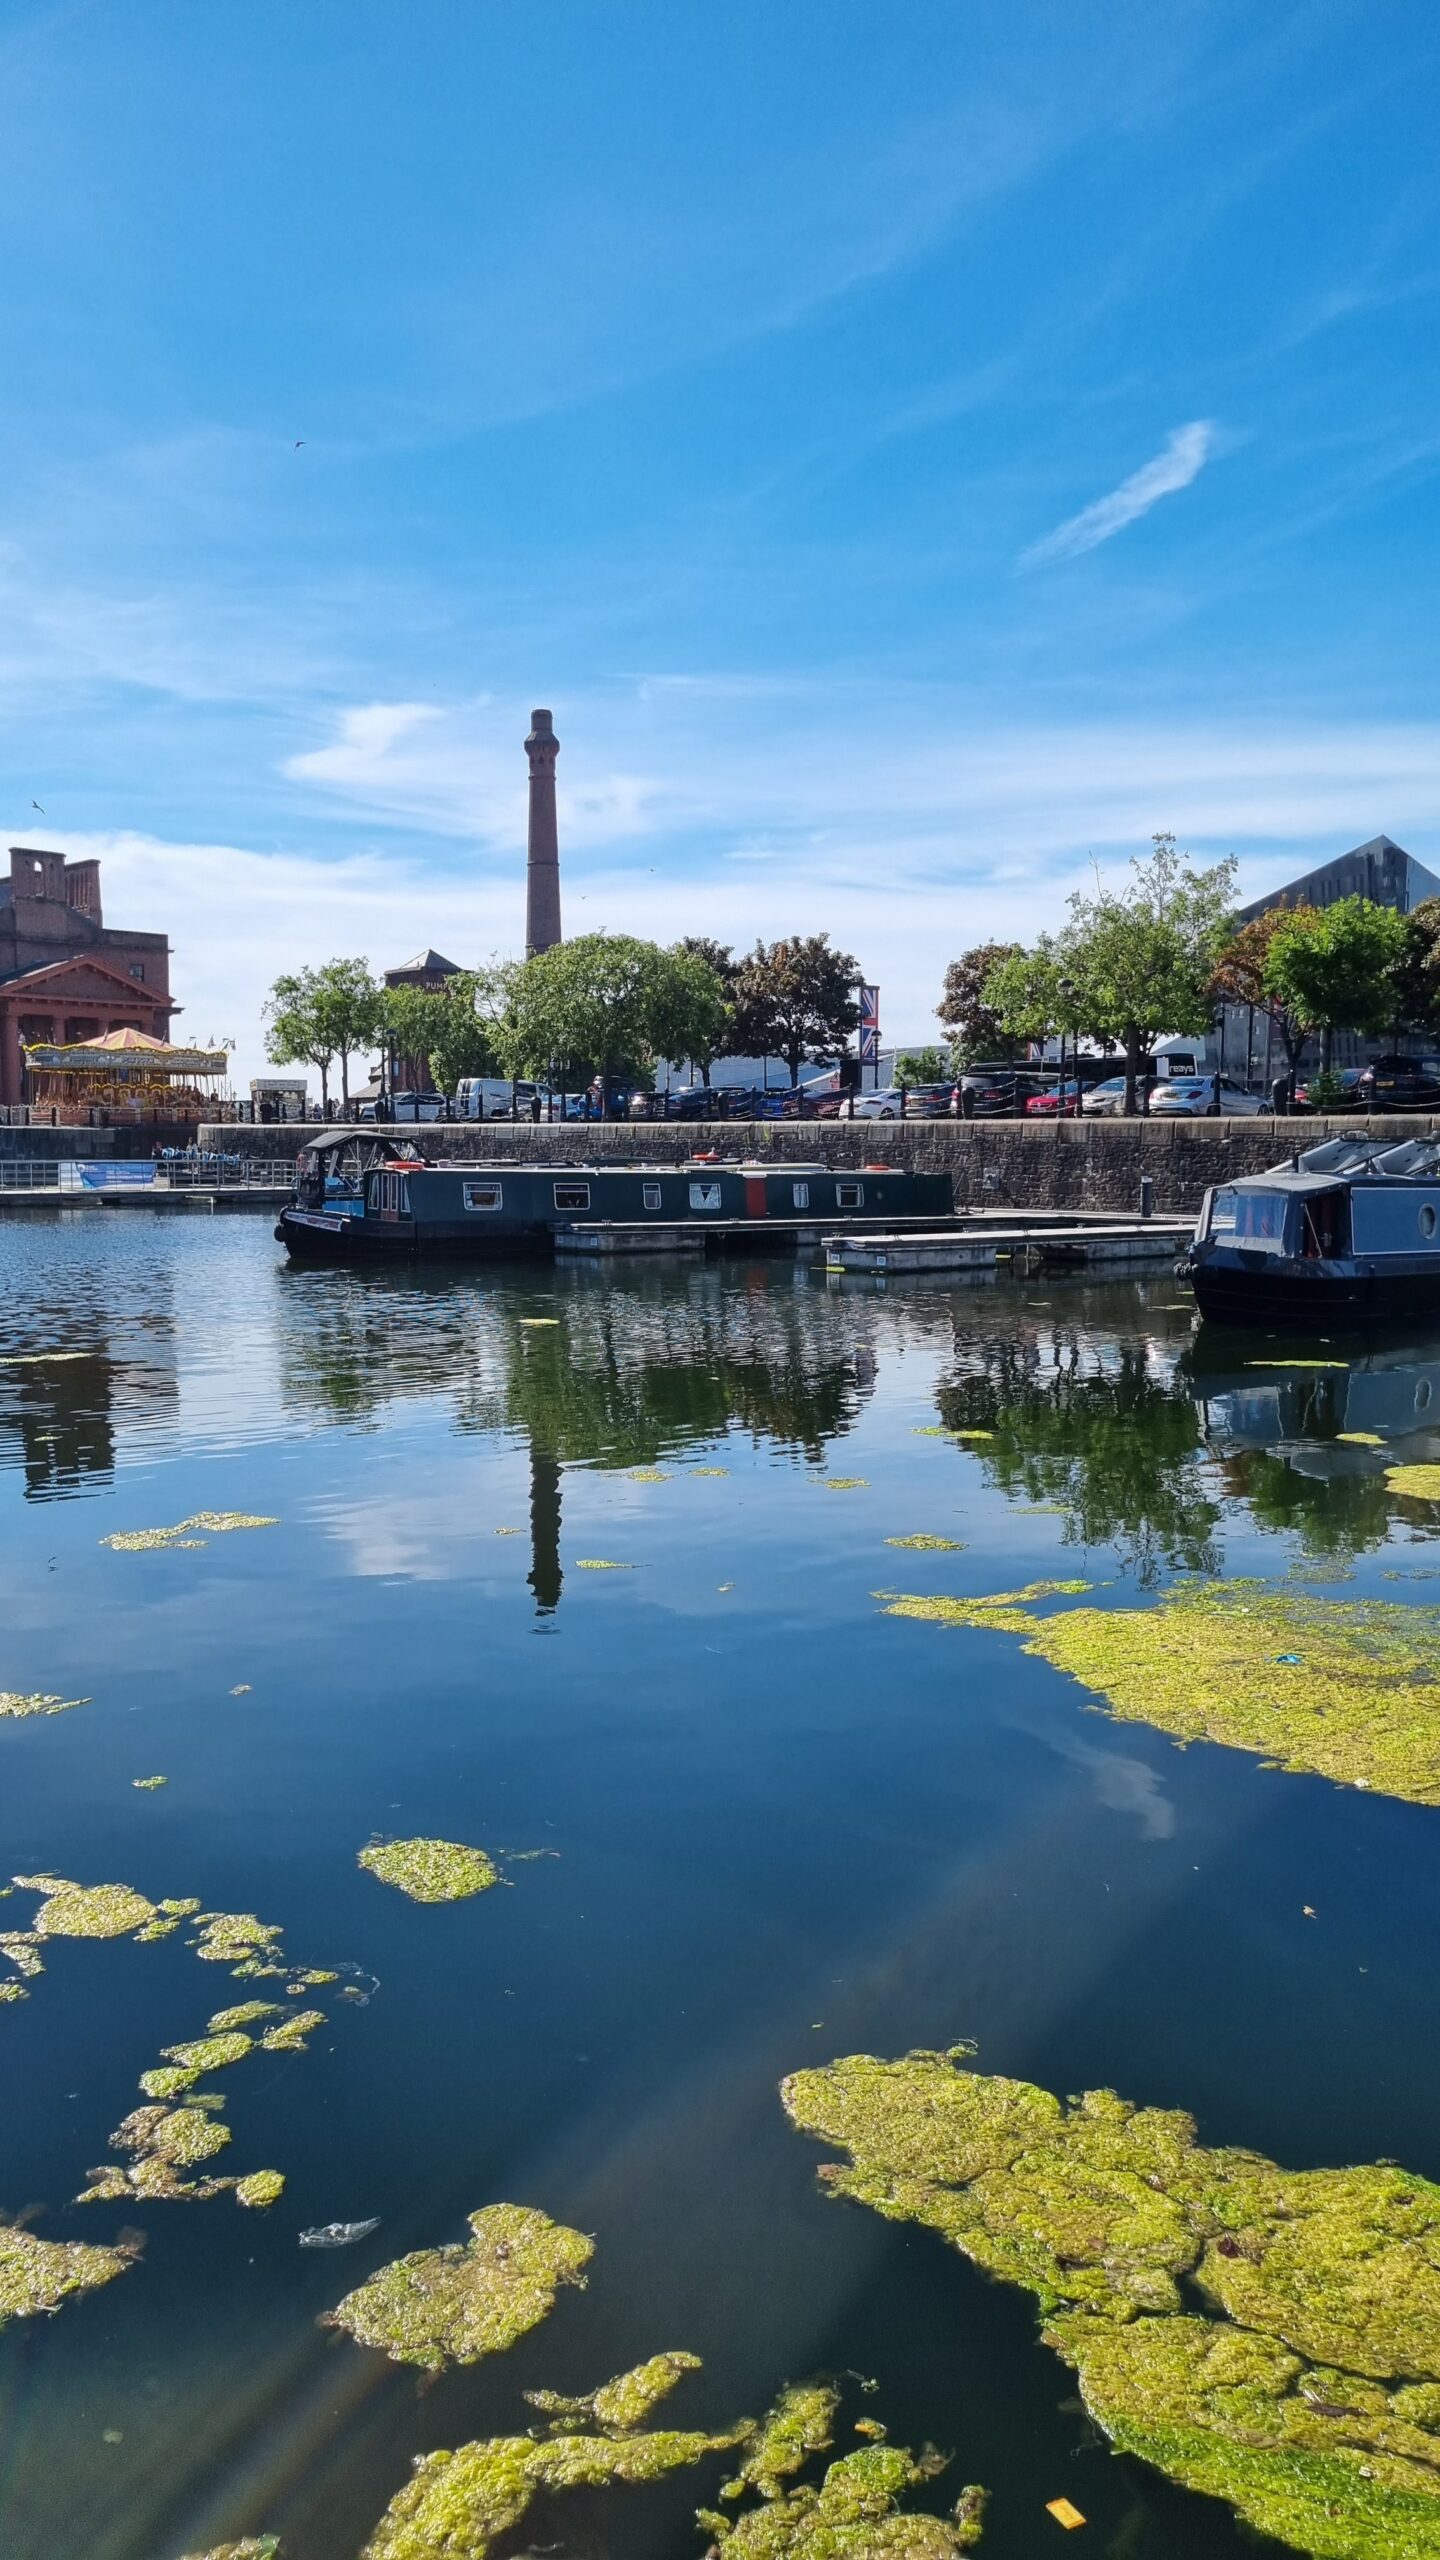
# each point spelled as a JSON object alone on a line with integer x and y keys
{"x": 1348, "y": 1231}
{"x": 368, "y": 1200}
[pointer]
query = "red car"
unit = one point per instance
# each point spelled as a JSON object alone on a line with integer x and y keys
{"x": 1050, "y": 1101}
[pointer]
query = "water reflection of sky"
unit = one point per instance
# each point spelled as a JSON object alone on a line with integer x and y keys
{"x": 788, "y": 1827}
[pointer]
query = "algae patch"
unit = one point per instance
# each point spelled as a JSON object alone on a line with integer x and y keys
{"x": 1421, "y": 1484}
{"x": 38, "y": 2275}
{"x": 214, "y": 1523}
{"x": 930, "y": 1541}
{"x": 853, "y": 2515}
{"x": 430, "y": 1870}
{"x": 262, "y": 2187}
{"x": 1347, "y": 1689}
{"x": 1269, "y": 2336}
{"x": 620, "y": 2405}
{"x": 89, "y": 1911}
{"x": 35, "y": 1702}
{"x": 454, "y": 2305}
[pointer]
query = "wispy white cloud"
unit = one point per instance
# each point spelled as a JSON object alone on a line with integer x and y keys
{"x": 1182, "y": 460}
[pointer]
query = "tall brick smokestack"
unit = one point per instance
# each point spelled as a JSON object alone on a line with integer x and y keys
{"x": 542, "y": 876}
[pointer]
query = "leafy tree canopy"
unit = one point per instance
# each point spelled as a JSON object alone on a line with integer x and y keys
{"x": 444, "y": 1028}
{"x": 1337, "y": 971}
{"x": 920, "y": 1066}
{"x": 972, "y": 1025}
{"x": 614, "y": 1003}
{"x": 795, "y": 999}
{"x": 1240, "y": 972}
{"x": 1144, "y": 957}
{"x": 1032, "y": 994}
{"x": 318, "y": 1015}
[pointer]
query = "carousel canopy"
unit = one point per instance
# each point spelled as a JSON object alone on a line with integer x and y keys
{"x": 127, "y": 1052}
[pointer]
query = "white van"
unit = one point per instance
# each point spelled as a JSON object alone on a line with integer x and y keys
{"x": 493, "y": 1098}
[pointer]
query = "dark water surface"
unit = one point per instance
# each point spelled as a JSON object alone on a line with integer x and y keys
{"x": 783, "y": 1827}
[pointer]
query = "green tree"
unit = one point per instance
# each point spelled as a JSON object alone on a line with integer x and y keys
{"x": 920, "y": 1066}
{"x": 444, "y": 1028}
{"x": 1240, "y": 975}
{"x": 1143, "y": 958}
{"x": 319, "y": 1015}
{"x": 973, "y": 1028}
{"x": 795, "y": 999}
{"x": 720, "y": 960}
{"x": 1417, "y": 975}
{"x": 1338, "y": 970}
{"x": 612, "y": 1003}
{"x": 1032, "y": 994}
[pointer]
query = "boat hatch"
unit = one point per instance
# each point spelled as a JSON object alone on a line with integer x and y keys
{"x": 1415, "y": 1159}
{"x": 1255, "y": 1219}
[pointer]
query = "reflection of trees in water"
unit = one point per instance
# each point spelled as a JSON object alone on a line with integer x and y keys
{"x": 61, "y": 1419}
{"x": 1086, "y": 1422}
{"x": 1331, "y": 1515}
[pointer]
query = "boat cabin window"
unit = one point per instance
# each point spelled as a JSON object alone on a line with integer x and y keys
{"x": 483, "y": 1195}
{"x": 1248, "y": 1217}
{"x": 572, "y": 1195}
{"x": 650, "y": 1192}
{"x": 1321, "y": 1232}
{"x": 850, "y": 1195}
{"x": 390, "y": 1195}
{"x": 800, "y": 1194}
{"x": 704, "y": 1195}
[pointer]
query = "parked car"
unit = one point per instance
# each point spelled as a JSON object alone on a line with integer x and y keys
{"x": 1400, "y": 1084}
{"x": 996, "y": 1092}
{"x": 1109, "y": 1098}
{"x": 929, "y": 1101}
{"x": 1048, "y": 1100}
{"x": 489, "y": 1098}
{"x": 1190, "y": 1097}
{"x": 884, "y": 1105}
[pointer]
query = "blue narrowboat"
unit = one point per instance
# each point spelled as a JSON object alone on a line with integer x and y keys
{"x": 373, "y": 1203}
{"x": 1347, "y": 1231}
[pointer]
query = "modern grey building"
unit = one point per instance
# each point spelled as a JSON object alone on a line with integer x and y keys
{"x": 1381, "y": 870}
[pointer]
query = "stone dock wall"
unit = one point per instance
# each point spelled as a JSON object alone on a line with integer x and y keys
{"x": 994, "y": 1164}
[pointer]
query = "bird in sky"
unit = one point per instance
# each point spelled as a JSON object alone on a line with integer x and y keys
{"x": 298, "y": 443}
{"x": 36, "y": 805}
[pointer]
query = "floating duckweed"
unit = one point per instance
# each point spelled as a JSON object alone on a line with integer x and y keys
{"x": 262, "y": 2187}
{"x": 38, "y": 2275}
{"x": 1307, "y": 2397}
{"x": 853, "y": 2515}
{"x": 1422, "y": 1484}
{"x": 210, "y": 2053}
{"x": 454, "y": 2305}
{"x": 1361, "y": 1439}
{"x": 647, "y": 1475}
{"x": 1346, "y": 1688}
{"x": 187, "y": 2136}
{"x": 244, "y": 2014}
{"x": 13, "y": 1991}
{"x": 709, "y": 1471}
{"x": 458, "y": 2504}
{"x": 171, "y": 2082}
{"x": 430, "y": 1870}
{"x": 23, "y": 1949}
{"x": 620, "y": 2405}
{"x": 147, "y": 1784}
{"x": 89, "y": 1911}
{"x": 37, "y": 1702}
{"x": 929, "y": 1541}
{"x": 972, "y": 1435}
{"x": 265, "y": 2548}
{"x": 291, "y": 2037}
{"x": 1005, "y": 1610}
{"x": 133, "y": 1541}
{"x": 509, "y": 1532}
{"x": 313, "y": 1978}
{"x": 844, "y": 1484}
{"x": 235, "y": 1938}
{"x": 801, "y": 2422}
{"x": 601, "y": 1564}
{"x": 185, "y": 1910}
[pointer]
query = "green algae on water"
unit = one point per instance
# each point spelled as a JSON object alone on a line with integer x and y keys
{"x": 853, "y": 2515}
{"x": 601, "y": 1564}
{"x": 454, "y": 2305}
{"x": 88, "y": 1911}
{"x": 1005, "y": 1610}
{"x": 290, "y": 2038}
{"x": 38, "y": 2275}
{"x": 210, "y": 2053}
{"x": 1348, "y": 1689}
{"x": 430, "y": 1870}
{"x": 1269, "y": 2336}
{"x": 457, "y": 2505}
{"x": 930, "y": 1541}
{"x": 1361, "y": 1439}
{"x": 265, "y": 2547}
{"x": 214, "y": 1523}
{"x": 147, "y": 1785}
{"x": 37, "y": 1702}
{"x": 845, "y": 1484}
{"x": 244, "y": 2014}
{"x": 262, "y": 2187}
{"x": 801, "y": 2422}
{"x": 618, "y": 2406}
{"x": 1420, "y": 1484}
{"x": 647, "y": 1475}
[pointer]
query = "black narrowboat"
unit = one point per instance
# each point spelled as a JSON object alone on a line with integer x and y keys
{"x": 1348, "y": 1231}
{"x": 362, "y": 1201}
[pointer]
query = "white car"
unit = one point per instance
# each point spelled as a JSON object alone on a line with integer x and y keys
{"x": 884, "y": 1105}
{"x": 1190, "y": 1097}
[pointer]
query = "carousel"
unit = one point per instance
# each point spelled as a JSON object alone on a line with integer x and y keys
{"x": 127, "y": 1074}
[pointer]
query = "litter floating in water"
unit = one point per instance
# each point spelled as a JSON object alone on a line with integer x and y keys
{"x": 1267, "y": 2336}
{"x": 927, "y": 1539}
{"x": 1063, "y": 2513}
{"x": 454, "y": 2305}
{"x": 38, "y": 2275}
{"x": 430, "y": 1870}
{"x": 15, "y": 1702}
{"x": 241, "y": 1689}
{"x": 131, "y": 1541}
{"x": 338, "y": 2235}
{"x": 1201, "y": 1664}
{"x": 146, "y": 1785}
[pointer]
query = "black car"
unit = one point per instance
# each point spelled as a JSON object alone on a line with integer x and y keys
{"x": 997, "y": 1093}
{"x": 1400, "y": 1084}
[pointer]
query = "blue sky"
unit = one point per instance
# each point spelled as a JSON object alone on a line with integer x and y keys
{"x": 917, "y": 450}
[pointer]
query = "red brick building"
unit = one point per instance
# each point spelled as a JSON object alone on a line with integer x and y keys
{"x": 64, "y": 973}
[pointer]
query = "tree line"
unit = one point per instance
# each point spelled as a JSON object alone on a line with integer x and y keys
{"x": 604, "y": 1005}
{"x": 1161, "y": 955}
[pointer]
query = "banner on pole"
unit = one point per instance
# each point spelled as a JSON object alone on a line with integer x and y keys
{"x": 869, "y": 1026}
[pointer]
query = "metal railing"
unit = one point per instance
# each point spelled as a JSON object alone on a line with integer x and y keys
{"x": 73, "y": 1178}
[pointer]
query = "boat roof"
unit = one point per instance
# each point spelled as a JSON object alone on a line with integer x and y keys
{"x": 1341, "y": 1160}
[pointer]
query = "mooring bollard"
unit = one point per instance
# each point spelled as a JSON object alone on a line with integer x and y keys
{"x": 1147, "y": 1196}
